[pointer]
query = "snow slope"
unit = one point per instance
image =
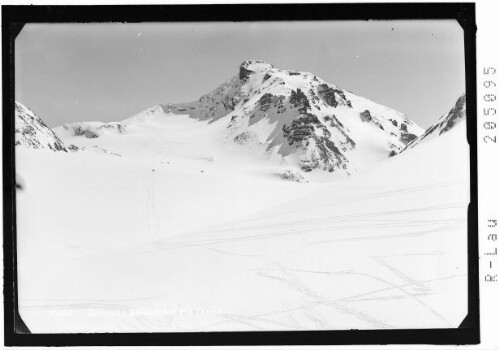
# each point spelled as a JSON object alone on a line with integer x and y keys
{"x": 293, "y": 118}
{"x": 176, "y": 242}
{"x": 445, "y": 123}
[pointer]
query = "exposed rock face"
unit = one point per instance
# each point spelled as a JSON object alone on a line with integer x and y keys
{"x": 325, "y": 155}
{"x": 407, "y": 138}
{"x": 332, "y": 96}
{"x": 456, "y": 115}
{"x": 268, "y": 101}
{"x": 301, "y": 128}
{"x": 293, "y": 175}
{"x": 347, "y": 143}
{"x": 32, "y": 132}
{"x": 247, "y": 137}
{"x": 245, "y": 70}
{"x": 87, "y": 133}
{"x": 365, "y": 116}
{"x": 307, "y": 130}
{"x": 299, "y": 99}
{"x": 244, "y": 73}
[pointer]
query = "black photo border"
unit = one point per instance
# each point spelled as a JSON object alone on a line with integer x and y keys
{"x": 13, "y": 19}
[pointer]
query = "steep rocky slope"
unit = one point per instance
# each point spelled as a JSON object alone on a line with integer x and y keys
{"x": 32, "y": 132}
{"x": 445, "y": 123}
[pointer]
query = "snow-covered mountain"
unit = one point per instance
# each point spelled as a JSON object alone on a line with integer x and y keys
{"x": 446, "y": 122}
{"x": 294, "y": 117}
{"x": 32, "y": 132}
{"x": 301, "y": 117}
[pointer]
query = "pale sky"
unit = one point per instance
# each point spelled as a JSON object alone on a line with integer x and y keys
{"x": 108, "y": 72}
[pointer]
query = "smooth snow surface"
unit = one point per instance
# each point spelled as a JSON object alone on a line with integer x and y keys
{"x": 185, "y": 231}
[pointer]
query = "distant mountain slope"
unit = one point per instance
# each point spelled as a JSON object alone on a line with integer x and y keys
{"x": 446, "y": 122}
{"x": 32, "y": 132}
{"x": 90, "y": 130}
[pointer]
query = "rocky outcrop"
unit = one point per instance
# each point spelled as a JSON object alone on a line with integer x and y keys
{"x": 293, "y": 175}
{"x": 299, "y": 99}
{"x": 332, "y": 96}
{"x": 249, "y": 67}
{"x": 92, "y": 130}
{"x": 301, "y": 128}
{"x": 268, "y": 101}
{"x": 311, "y": 136}
{"x": 365, "y": 116}
{"x": 244, "y": 73}
{"x": 247, "y": 138}
{"x": 455, "y": 115}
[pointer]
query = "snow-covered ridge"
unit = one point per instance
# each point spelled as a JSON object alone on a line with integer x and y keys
{"x": 296, "y": 118}
{"x": 90, "y": 129}
{"x": 445, "y": 123}
{"x": 32, "y": 132}
{"x": 95, "y": 129}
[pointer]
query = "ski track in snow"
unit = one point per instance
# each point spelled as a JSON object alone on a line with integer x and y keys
{"x": 310, "y": 298}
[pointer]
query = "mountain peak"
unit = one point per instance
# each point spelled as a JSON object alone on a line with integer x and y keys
{"x": 256, "y": 65}
{"x": 249, "y": 67}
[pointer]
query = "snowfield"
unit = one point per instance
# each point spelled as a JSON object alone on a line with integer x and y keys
{"x": 183, "y": 231}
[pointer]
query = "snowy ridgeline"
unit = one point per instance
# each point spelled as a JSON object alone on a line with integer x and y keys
{"x": 296, "y": 120}
{"x": 220, "y": 215}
